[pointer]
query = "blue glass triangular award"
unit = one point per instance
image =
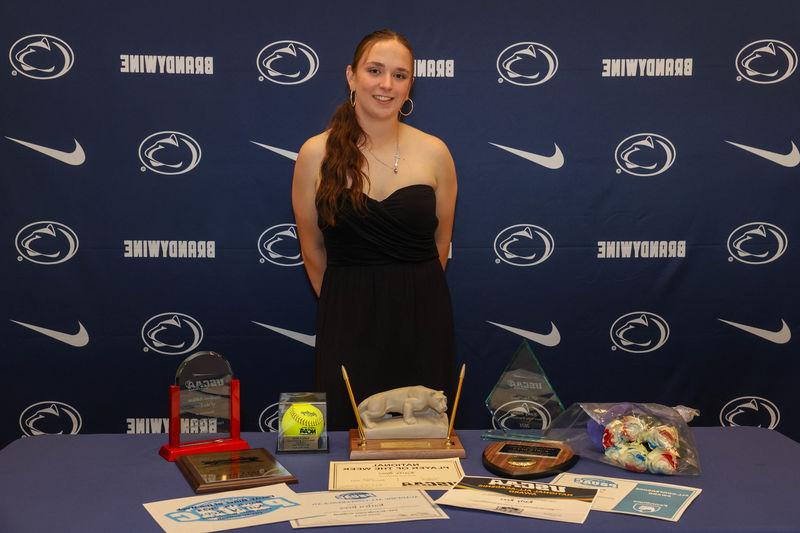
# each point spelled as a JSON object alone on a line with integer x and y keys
{"x": 523, "y": 402}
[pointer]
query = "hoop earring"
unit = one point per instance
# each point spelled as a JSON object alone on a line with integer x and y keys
{"x": 353, "y": 98}
{"x": 410, "y": 110}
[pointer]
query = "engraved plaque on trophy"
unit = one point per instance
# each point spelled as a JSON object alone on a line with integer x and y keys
{"x": 528, "y": 460}
{"x": 204, "y": 408}
{"x": 241, "y": 469}
{"x": 522, "y": 401}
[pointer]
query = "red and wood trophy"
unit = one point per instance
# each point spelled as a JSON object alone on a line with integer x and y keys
{"x": 203, "y": 408}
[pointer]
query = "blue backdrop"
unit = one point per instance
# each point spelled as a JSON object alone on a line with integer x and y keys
{"x": 628, "y": 183}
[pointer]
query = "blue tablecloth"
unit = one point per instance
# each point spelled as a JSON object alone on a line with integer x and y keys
{"x": 98, "y": 483}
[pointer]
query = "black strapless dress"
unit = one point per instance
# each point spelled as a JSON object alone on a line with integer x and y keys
{"x": 384, "y": 308}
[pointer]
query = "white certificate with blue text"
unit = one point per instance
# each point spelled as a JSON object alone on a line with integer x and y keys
{"x": 636, "y": 497}
{"x": 341, "y": 508}
{"x": 229, "y": 510}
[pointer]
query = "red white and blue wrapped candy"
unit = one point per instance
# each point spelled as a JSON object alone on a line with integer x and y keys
{"x": 612, "y": 434}
{"x": 663, "y": 436}
{"x": 632, "y": 428}
{"x": 661, "y": 461}
{"x": 631, "y": 457}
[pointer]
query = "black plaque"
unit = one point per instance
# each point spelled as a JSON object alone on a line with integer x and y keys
{"x": 218, "y": 471}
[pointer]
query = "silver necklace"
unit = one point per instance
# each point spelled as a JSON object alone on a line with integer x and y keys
{"x": 396, "y": 156}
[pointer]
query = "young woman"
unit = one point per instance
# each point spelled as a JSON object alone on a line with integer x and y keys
{"x": 374, "y": 200}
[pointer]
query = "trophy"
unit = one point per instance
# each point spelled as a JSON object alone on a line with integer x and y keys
{"x": 419, "y": 431}
{"x": 204, "y": 401}
{"x": 522, "y": 402}
{"x": 302, "y": 420}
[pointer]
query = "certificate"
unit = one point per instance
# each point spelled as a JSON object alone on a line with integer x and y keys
{"x": 402, "y": 474}
{"x": 365, "y": 507}
{"x": 521, "y": 498}
{"x": 640, "y": 498}
{"x": 228, "y": 510}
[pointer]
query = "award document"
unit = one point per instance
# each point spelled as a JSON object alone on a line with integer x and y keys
{"x": 626, "y": 496}
{"x": 364, "y": 507}
{"x": 402, "y": 474}
{"x": 218, "y": 512}
{"x": 521, "y": 498}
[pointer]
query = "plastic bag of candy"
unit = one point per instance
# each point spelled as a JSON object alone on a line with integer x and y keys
{"x": 640, "y": 437}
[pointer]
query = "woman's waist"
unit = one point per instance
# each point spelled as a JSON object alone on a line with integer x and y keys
{"x": 379, "y": 259}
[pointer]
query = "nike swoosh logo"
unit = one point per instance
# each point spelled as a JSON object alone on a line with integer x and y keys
{"x": 78, "y": 340}
{"x": 279, "y": 151}
{"x": 310, "y": 340}
{"x": 549, "y": 340}
{"x": 782, "y": 336}
{"x": 75, "y": 157}
{"x": 552, "y": 162}
{"x": 792, "y": 159}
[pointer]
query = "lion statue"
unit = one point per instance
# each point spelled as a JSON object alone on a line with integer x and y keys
{"x": 408, "y": 401}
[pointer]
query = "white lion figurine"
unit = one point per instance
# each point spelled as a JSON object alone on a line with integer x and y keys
{"x": 408, "y": 401}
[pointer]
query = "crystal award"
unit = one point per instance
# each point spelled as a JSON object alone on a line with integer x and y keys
{"x": 523, "y": 401}
{"x": 204, "y": 408}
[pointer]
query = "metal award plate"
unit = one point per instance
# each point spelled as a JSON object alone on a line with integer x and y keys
{"x": 528, "y": 460}
{"x": 219, "y": 471}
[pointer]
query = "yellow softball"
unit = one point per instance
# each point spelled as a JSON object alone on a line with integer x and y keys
{"x": 302, "y": 419}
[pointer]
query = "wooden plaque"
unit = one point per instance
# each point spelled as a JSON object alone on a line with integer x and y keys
{"x": 374, "y": 449}
{"x": 528, "y": 460}
{"x": 218, "y": 471}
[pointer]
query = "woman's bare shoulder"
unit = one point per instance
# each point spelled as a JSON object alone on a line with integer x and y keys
{"x": 431, "y": 145}
{"x": 314, "y": 148}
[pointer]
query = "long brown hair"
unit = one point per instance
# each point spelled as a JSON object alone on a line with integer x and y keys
{"x": 343, "y": 157}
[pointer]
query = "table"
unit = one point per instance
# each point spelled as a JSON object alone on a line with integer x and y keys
{"x": 97, "y": 483}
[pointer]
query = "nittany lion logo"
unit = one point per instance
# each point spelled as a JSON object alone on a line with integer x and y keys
{"x": 268, "y": 419}
{"x": 766, "y": 61}
{"x": 750, "y": 411}
{"x": 521, "y": 414}
{"x": 46, "y": 242}
{"x": 527, "y": 63}
{"x": 757, "y": 243}
{"x": 279, "y": 245}
{"x": 287, "y": 62}
{"x": 523, "y": 245}
{"x": 169, "y": 152}
{"x": 644, "y": 154}
{"x": 172, "y": 334}
{"x": 41, "y": 57}
{"x": 639, "y": 332}
{"x": 50, "y": 418}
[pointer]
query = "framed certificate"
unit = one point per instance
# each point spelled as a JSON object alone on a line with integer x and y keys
{"x": 219, "y": 471}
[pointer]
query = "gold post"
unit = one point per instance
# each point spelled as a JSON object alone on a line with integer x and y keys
{"x": 355, "y": 408}
{"x": 455, "y": 403}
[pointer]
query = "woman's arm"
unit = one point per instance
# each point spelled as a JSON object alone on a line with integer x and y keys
{"x": 304, "y": 189}
{"x": 446, "y": 190}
